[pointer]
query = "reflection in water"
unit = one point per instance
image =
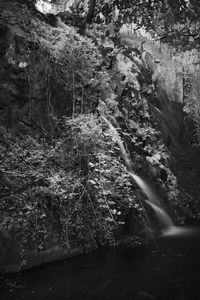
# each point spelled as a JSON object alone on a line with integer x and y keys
{"x": 179, "y": 231}
{"x": 170, "y": 273}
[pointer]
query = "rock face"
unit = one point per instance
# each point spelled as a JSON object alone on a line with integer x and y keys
{"x": 170, "y": 48}
{"x": 14, "y": 92}
{"x": 63, "y": 189}
{"x": 18, "y": 91}
{"x": 41, "y": 80}
{"x": 175, "y": 106}
{"x": 176, "y": 100}
{"x": 43, "y": 73}
{"x": 29, "y": 84}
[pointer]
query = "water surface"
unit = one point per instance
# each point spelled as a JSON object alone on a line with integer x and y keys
{"x": 170, "y": 270}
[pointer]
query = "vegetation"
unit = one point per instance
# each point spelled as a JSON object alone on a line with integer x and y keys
{"x": 63, "y": 178}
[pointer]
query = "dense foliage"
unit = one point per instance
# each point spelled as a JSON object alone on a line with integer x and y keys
{"x": 64, "y": 180}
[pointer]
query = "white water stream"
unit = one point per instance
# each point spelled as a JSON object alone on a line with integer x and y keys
{"x": 166, "y": 223}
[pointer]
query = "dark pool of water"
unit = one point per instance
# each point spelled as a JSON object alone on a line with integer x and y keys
{"x": 168, "y": 270}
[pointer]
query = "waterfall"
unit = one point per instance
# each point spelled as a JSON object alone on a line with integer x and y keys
{"x": 145, "y": 188}
{"x": 120, "y": 143}
{"x": 164, "y": 219}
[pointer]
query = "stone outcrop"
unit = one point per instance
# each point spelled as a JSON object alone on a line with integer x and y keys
{"x": 146, "y": 87}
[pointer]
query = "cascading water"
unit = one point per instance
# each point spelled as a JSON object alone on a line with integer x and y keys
{"x": 120, "y": 143}
{"x": 167, "y": 227}
{"x": 146, "y": 189}
{"x": 164, "y": 219}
